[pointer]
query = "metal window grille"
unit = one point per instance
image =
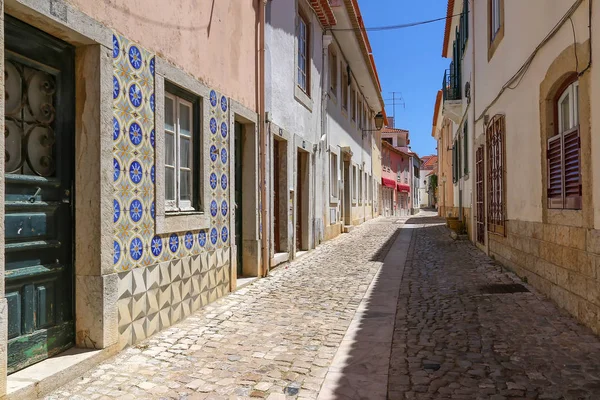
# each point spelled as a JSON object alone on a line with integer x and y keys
{"x": 496, "y": 211}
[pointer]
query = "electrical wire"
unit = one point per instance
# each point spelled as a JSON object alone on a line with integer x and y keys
{"x": 518, "y": 76}
{"x": 575, "y": 46}
{"x": 394, "y": 27}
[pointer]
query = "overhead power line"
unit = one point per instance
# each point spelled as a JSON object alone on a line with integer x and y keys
{"x": 393, "y": 27}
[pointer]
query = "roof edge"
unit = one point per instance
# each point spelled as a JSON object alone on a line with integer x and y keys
{"x": 449, "y": 12}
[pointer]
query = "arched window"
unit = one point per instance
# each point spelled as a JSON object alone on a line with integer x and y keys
{"x": 564, "y": 153}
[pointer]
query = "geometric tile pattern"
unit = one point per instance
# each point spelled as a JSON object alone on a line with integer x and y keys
{"x": 162, "y": 277}
{"x": 153, "y": 298}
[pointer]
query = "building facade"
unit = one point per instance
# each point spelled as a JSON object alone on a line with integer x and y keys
{"x": 156, "y": 156}
{"x": 456, "y": 107}
{"x": 530, "y": 89}
{"x": 441, "y": 131}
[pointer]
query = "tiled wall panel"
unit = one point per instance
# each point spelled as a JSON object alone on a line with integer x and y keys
{"x": 163, "y": 278}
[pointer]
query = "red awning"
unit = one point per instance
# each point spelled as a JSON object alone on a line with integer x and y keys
{"x": 402, "y": 187}
{"x": 388, "y": 182}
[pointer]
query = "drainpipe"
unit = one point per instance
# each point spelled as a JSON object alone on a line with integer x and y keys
{"x": 263, "y": 139}
{"x": 474, "y": 130}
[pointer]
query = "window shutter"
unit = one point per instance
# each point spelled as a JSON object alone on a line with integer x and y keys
{"x": 466, "y": 147}
{"x": 454, "y": 163}
{"x": 571, "y": 150}
{"x": 555, "y": 172}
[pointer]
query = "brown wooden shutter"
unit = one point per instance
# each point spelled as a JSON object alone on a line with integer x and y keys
{"x": 572, "y": 168}
{"x": 555, "y": 172}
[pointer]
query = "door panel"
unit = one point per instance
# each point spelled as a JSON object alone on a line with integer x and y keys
{"x": 276, "y": 197}
{"x": 238, "y": 197}
{"x": 39, "y": 114}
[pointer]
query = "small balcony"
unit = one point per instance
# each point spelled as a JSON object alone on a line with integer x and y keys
{"x": 451, "y": 85}
{"x": 452, "y": 94}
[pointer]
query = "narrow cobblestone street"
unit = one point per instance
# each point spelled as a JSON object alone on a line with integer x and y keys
{"x": 277, "y": 336}
{"x": 280, "y": 337}
{"x": 453, "y": 341}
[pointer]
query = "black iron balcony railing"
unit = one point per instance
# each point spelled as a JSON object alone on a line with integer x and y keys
{"x": 451, "y": 85}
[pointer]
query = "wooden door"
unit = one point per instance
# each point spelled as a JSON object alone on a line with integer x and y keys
{"x": 479, "y": 195}
{"x": 239, "y": 197}
{"x": 276, "y": 196}
{"x": 40, "y": 116}
{"x": 299, "y": 196}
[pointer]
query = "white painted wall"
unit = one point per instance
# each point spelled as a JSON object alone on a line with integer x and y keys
{"x": 521, "y": 104}
{"x": 288, "y": 108}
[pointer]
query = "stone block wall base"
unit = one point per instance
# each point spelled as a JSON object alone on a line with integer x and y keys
{"x": 558, "y": 260}
{"x": 332, "y": 231}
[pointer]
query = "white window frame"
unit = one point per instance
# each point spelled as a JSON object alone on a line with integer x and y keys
{"x": 355, "y": 183}
{"x": 333, "y": 73}
{"x": 360, "y": 186}
{"x": 333, "y": 176}
{"x": 573, "y": 92}
{"x": 177, "y": 204}
{"x": 303, "y": 57}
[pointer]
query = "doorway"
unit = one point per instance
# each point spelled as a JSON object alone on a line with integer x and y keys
{"x": 239, "y": 197}
{"x": 39, "y": 115}
{"x": 302, "y": 201}
{"x": 276, "y": 198}
{"x": 347, "y": 194}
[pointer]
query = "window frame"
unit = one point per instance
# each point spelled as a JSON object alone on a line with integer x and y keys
{"x": 303, "y": 19}
{"x": 495, "y": 37}
{"x": 333, "y": 176}
{"x": 569, "y": 136}
{"x": 333, "y": 73}
{"x": 345, "y": 90}
{"x": 182, "y": 96}
{"x": 355, "y": 184}
{"x": 496, "y": 174}
{"x": 168, "y": 74}
{"x": 352, "y": 103}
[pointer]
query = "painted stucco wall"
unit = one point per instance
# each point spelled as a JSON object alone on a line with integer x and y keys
{"x": 521, "y": 104}
{"x": 294, "y": 111}
{"x": 215, "y": 41}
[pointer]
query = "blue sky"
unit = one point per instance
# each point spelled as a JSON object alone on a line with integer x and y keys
{"x": 409, "y": 61}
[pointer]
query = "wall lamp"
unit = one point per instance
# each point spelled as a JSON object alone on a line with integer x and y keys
{"x": 378, "y": 124}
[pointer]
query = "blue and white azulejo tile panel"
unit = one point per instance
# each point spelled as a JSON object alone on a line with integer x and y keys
{"x": 136, "y": 243}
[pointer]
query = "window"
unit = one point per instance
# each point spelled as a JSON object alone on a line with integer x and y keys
{"x": 495, "y": 25}
{"x": 333, "y": 175}
{"x": 355, "y": 179}
{"x": 360, "y": 186}
{"x": 345, "y": 90}
{"x": 495, "y": 18}
{"x": 303, "y": 53}
{"x": 389, "y": 140}
{"x": 359, "y": 112}
{"x": 333, "y": 73}
{"x": 181, "y": 136}
{"x": 563, "y": 153}
{"x": 353, "y": 104}
{"x": 495, "y": 139}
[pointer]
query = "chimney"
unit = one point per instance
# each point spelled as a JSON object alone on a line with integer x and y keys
{"x": 390, "y": 122}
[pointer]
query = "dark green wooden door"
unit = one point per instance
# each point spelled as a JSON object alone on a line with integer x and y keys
{"x": 238, "y": 196}
{"x": 39, "y": 116}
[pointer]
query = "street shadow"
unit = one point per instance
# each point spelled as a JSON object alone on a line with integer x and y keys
{"x": 360, "y": 368}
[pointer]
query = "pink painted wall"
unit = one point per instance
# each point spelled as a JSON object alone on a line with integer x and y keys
{"x": 213, "y": 40}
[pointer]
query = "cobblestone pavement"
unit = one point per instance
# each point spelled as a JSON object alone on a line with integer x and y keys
{"x": 453, "y": 342}
{"x": 272, "y": 339}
